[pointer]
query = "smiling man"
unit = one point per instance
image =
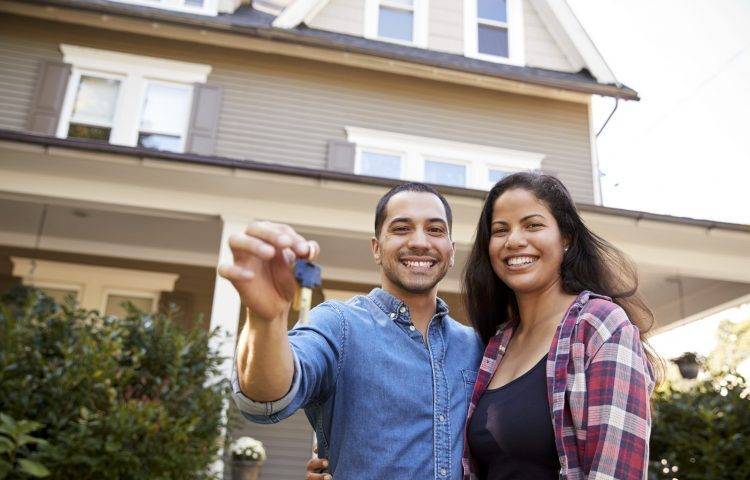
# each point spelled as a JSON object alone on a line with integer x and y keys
{"x": 384, "y": 378}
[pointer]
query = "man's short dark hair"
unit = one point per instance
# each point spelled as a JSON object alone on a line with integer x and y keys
{"x": 381, "y": 209}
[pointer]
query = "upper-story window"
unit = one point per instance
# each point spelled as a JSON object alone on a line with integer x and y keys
{"x": 494, "y": 30}
{"x": 400, "y": 21}
{"x": 128, "y": 99}
{"x": 201, "y": 7}
{"x": 437, "y": 161}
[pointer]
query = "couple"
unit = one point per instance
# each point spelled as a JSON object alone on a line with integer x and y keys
{"x": 552, "y": 382}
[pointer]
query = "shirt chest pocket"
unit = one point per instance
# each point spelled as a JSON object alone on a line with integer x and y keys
{"x": 469, "y": 379}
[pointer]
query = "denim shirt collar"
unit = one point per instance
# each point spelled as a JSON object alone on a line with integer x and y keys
{"x": 392, "y": 305}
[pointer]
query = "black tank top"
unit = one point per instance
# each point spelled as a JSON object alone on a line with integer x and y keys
{"x": 510, "y": 433}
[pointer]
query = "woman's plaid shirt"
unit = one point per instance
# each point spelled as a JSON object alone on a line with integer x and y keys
{"x": 599, "y": 384}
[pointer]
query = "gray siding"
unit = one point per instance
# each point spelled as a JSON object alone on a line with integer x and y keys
{"x": 541, "y": 49}
{"x": 342, "y": 16}
{"x": 281, "y": 110}
{"x": 445, "y": 29}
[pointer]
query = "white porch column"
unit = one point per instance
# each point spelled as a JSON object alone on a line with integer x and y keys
{"x": 225, "y": 312}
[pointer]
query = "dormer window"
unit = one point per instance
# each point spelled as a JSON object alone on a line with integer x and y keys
{"x": 200, "y": 7}
{"x": 494, "y": 30}
{"x": 399, "y": 21}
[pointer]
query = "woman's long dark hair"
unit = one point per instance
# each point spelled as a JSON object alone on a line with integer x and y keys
{"x": 590, "y": 263}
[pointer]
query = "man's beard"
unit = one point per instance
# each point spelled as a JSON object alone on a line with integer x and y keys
{"x": 417, "y": 286}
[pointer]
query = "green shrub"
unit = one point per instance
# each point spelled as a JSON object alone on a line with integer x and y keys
{"x": 117, "y": 398}
{"x": 703, "y": 432}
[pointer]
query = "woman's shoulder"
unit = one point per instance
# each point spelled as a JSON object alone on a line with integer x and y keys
{"x": 600, "y": 318}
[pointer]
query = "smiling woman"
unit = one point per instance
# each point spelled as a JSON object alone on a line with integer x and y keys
{"x": 560, "y": 312}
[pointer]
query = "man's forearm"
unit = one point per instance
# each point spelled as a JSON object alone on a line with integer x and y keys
{"x": 265, "y": 365}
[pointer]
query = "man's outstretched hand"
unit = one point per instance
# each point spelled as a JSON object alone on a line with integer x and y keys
{"x": 262, "y": 269}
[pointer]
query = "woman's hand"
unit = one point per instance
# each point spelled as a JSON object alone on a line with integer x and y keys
{"x": 315, "y": 467}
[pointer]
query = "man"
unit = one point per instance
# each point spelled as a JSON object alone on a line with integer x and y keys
{"x": 384, "y": 379}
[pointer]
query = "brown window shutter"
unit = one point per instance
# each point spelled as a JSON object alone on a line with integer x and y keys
{"x": 341, "y": 156}
{"x": 49, "y": 93}
{"x": 204, "y": 119}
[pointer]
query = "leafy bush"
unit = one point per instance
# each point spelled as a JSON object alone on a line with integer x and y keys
{"x": 702, "y": 432}
{"x": 116, "y": 397}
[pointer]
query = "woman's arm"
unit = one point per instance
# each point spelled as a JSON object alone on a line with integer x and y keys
{"x": 618, "y": 415}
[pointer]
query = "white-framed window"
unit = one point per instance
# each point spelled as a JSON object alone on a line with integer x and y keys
{"x": 399, "y": 21}
{"x": 433, "y": 160}
{"x": 200, "y": 7}
{"x": 128, "y": 99}
{"x": 96, "y": 287}
{"x": 493, "y": 30}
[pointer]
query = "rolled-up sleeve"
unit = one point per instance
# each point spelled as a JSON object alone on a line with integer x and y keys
{"x": 318, "y": 352}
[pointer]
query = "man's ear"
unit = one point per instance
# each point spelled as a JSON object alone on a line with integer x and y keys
{"x": 375, "y": 250}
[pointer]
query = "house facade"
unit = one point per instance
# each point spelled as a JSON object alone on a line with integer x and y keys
{"x": 136, "y": 135}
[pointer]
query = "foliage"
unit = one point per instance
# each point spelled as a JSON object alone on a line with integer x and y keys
{"x": 15, "y": 443}
{"x": 702, "y": 432}
{"x": 115, "y": 397}
{"x": 248, "y": 449}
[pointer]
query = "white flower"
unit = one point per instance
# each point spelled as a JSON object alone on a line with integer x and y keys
{"x": 247, "y": 448}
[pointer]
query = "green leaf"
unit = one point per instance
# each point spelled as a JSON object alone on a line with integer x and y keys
{"x": 6, "y": 445}
{"x": 4, "y": 469}
{"x": 32, "y": 468}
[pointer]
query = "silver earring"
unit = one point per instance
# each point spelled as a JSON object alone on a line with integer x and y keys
{"x": 565, "y": 249}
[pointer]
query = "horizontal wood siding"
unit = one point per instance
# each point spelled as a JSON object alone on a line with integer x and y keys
{"x": 541, "y": 49}
{"x": 288, "y": 445}
{"x": 342, "y": 16}
{"x": 446, "y": 29}
{"x": 281, "y": 110}
{"x": 446, "y": 26}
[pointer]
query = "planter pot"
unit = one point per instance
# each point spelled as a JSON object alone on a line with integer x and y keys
{"x": 245, "y": 470}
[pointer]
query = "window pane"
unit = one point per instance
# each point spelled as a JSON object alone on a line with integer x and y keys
{"x": 445, "y": 173}
{"x": 160, "y": 142}
{"x": 59, "y": 294}
{"x": 95, "y": 100}
{"x": 193, "y": 3}
{"x": 396, "y": 24}
{"x": 380, "y": 165}
{"x": 493, "y": 40}
{"x": 492, "y": 10}
{"x": 114, "y": 304}
{"x": 166, "y": 109}
{"x": 88, "y": 131}
{"x": 497, "y": 175}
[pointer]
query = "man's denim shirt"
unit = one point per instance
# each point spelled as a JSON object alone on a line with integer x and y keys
{"x": 383, "y": 402}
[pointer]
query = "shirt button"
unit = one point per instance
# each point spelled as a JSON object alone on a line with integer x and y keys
{"x": 443, "y": 472}
{"x": 441, "y": 417}
{"x": 402, "y": 309}
{"x": 393, "y": 315}
{"x": 411, "y": 327}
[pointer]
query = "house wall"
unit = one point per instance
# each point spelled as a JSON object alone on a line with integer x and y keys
{"x": 445, "y": 29}
{"x": 285, "y": 111}
{"x": 193, "y": 291}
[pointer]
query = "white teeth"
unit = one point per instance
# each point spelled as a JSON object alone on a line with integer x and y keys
{"x": 417, "y": 264}
{"x": 514, "y": 261}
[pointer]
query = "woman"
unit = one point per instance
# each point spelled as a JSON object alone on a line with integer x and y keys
{"x": 563, "y": 390}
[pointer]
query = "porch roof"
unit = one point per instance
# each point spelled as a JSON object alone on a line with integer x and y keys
{"x": 322, "y": 174}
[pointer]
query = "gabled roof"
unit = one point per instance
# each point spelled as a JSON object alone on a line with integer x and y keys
{"x": 247, "y": 21}
{"x": 557, "y": 16}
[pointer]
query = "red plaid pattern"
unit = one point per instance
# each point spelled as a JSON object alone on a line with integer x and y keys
{"x": 599, "y": 384}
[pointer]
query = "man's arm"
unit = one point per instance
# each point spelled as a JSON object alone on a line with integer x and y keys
{"x": 262, "y": 273}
